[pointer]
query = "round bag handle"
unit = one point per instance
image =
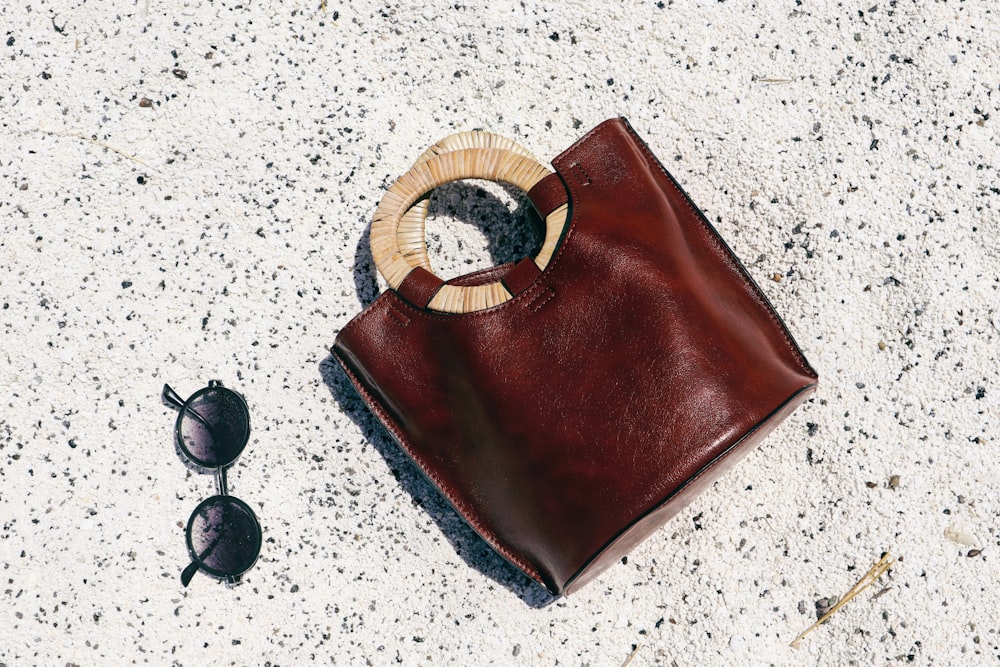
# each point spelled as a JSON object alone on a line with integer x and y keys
{"x": 412, "y": 241}
{"x": 397, "y": 233}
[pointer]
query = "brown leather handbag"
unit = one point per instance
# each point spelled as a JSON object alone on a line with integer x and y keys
{"x": 568, "y": 405}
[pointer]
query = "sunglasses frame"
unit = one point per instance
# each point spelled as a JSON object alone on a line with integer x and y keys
{"x": 172, "y": 399}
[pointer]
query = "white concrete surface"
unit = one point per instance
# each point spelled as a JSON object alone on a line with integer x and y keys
{"x": 219, "y": 231}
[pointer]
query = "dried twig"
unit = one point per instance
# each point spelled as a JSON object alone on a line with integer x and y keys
{"x": 881, "y": 592}
{"x": 632, "y": 656}
{"x": 877, "y": 570}
{"x": 103, "y": 145}
{"x": 775, "y": 80}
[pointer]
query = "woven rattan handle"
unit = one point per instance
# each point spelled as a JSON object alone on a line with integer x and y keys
{"x": 397, "y": 235}
{"x": 412, "y": 239}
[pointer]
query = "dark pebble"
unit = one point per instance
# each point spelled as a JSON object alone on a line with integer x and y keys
{"x": 180, "y": 73}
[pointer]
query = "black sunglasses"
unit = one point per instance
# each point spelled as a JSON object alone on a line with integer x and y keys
{"x": 223, "y": 533}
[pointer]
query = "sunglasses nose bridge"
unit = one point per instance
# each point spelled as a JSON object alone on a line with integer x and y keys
{"x": 221, "y": 482}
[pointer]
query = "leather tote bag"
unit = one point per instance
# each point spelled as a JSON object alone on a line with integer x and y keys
{"x": 567, "y": 405}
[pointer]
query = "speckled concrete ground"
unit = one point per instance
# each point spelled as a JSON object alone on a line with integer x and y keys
{"x": 185, "y": 190}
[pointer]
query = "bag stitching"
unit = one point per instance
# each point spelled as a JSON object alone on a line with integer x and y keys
{"x": 544, "y": 296}
{"x": 578, "y": 171}
{"x": 398, "y": 316}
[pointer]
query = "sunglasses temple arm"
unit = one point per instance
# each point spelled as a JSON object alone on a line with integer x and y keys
{"x": 171, "y": 398}
{"x": 188, "y": 573}
{"x": 190, "y": 570}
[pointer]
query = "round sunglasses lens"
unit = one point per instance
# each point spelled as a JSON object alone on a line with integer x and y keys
{"x": 224, "y": 536}
{"x": 214, "y": 427}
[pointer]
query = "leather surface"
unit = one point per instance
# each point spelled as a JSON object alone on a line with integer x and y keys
{"x": 566, "y": 424}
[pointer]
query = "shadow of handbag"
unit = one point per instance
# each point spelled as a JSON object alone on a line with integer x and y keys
{"x": 567, "y": 405}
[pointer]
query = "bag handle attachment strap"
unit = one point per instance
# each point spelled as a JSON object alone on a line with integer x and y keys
{"x": 548, "y": 195}
{"x": 420, "y": 287}
{"x": 521, "y": 275}
{"x": 388, "y": 240}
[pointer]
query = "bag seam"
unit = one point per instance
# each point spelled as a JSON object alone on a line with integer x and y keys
{"x": 738, "y": 443}
{"x": 462, "y": 508}
{"x": 729, "y": 258}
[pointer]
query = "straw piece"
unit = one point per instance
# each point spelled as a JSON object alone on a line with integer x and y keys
{"x": 876, "y": 571}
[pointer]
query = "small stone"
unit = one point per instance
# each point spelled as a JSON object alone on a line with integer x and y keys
{"x": 180, "y": 73}
{"x": 871, "y": 485}
{"x": 960, "y": 536}
{"x": 145, "y": 103}
{"x": 894, "y": 482}
{"x": 881, "y": 345}
{"x": 973, "y": 553}
{"x": 776, "y": 277}
{"x": 823, "y": 605}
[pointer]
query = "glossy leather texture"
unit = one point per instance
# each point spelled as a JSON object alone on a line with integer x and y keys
{"x": 568, "y": 423}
